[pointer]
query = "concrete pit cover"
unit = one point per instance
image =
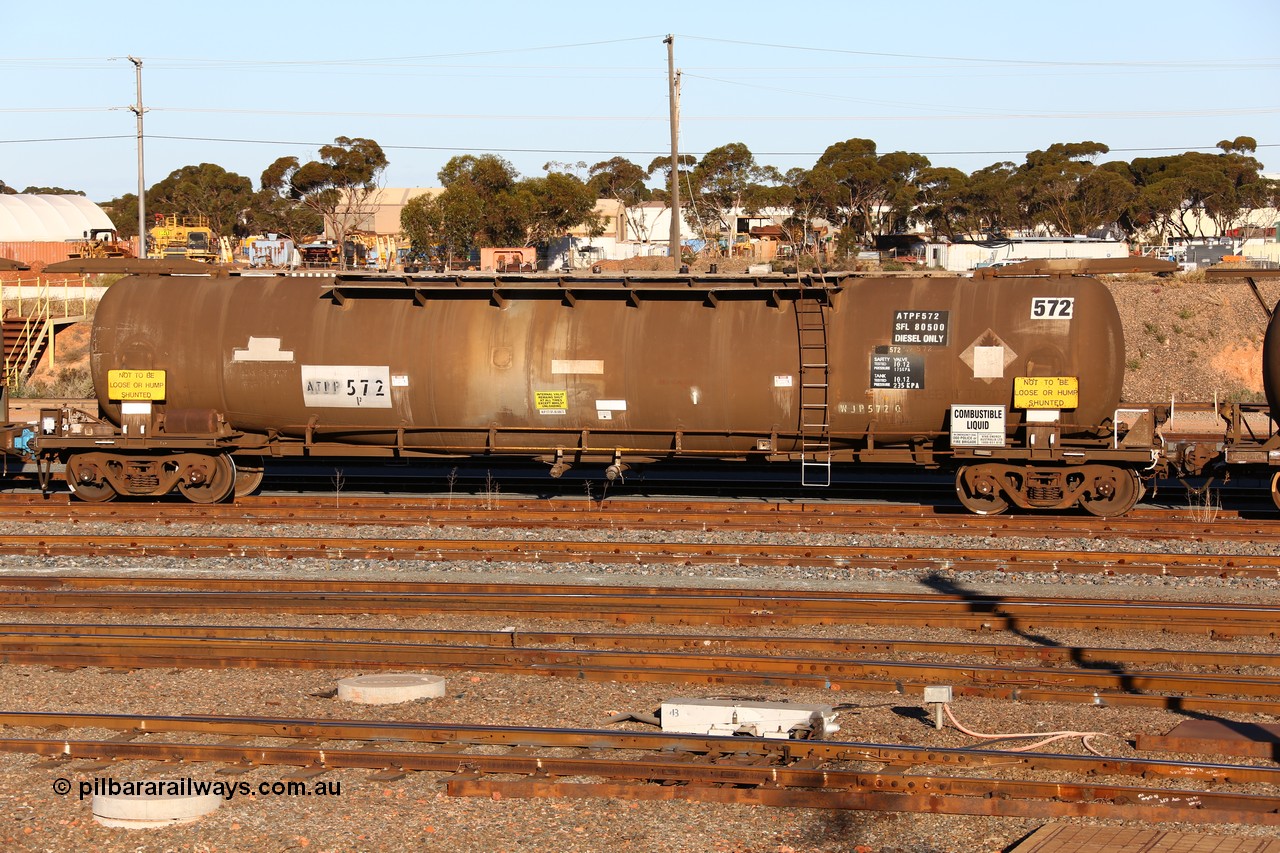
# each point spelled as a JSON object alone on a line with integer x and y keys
{"x": 390, "y": 688}
{"x": 147, "y": 811}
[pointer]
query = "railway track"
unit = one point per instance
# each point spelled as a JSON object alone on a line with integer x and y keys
{"x": 651, "y": 765}
{"x": 616, "y": 551}
{"x": 1081, "y": 676}
{"x": 633, "y": 604}
{"x": 1191, "y": 523}
{"x": 1155, "y": 678}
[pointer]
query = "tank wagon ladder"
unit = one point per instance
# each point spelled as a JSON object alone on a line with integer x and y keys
{"x": 815, "y": 426}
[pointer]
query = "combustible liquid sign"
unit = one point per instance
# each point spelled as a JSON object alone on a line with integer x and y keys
{"x": 135, "y": 385}
{"x": 977, "y": 426}
{"x": 1046, "y": 392}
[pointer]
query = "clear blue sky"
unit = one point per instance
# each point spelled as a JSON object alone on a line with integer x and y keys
{"x": 968, "y": 84}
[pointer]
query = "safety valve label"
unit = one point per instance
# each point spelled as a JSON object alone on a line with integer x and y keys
{"x": 551, "y": 402}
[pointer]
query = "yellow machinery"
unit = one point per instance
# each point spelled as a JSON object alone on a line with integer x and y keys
{"x": 101, "y": 243}
{"x": 176, "y": 236}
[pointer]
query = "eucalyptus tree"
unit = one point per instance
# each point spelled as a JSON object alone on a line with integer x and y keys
{"x": 626, "y": 183}
{"x": 340, "y": 186}
{"x": 485, "y": 203}
{"x": 942, "y": 201}
{"x": 1181, "y": 194}
{"x": 206, "y": 190}
{"x": 867, "y": 193}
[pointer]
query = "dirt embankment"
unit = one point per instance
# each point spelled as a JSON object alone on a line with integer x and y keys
{"x": 1189, "y": 339}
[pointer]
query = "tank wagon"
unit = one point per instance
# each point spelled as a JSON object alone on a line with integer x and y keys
{"x": 1012, "y": 382}
{"x": 1249, "y": 444}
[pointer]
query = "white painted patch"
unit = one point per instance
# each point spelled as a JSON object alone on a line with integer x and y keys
{"x": 135, "y": 407}
{"x": 783, "y": 381}
{"x": 262, "y": 349}
{"x": 577, "y": 365}
{"x": 399, "y": 380}
{"x": 612, "y": 405}
{"x": 988, "y": 362}
{"x": 695, "y": 394}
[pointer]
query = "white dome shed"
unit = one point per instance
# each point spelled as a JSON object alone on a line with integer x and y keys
{"x": 48, "y": 218}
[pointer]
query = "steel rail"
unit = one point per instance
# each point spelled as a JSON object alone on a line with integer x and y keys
{"x": 769, "y": 783}
{"x": 806, "y": 517}
{"x": 976, "y": 600}
{"x": 788, "y": 751}
{"x": 672, "y": 606}
{"x": 912, "y": 795}
{"x": 1052, "y": 654}
{"x": 1093, "y": 686}
{"x": 827, "y": 556}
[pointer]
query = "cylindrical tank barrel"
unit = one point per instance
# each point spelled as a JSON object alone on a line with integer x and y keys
{"x": 435, "y": 365}
{"x": 1271, "y": 364}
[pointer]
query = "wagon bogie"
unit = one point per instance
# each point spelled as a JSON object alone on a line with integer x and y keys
{"x": 200, "y": 477}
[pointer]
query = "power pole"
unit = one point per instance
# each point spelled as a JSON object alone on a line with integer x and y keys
{"x": 673, "y": 86}
{"x": 142, "y": 186}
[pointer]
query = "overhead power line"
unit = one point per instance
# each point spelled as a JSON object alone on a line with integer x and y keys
{"x": 66, "y": 139}
{"x": 1195, "y": 63}
{"x": 190, "y": 62}
{"x": 704, "y": 118}
{"x": 604, "y": 151}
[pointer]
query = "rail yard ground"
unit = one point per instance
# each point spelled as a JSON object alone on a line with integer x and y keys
{"x": 1187, "y": 339}
{"x": 414, "y": 813}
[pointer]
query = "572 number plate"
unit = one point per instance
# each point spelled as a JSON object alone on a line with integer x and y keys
{"x": 346, "y": 386}
{"x": 1052, "y": 307}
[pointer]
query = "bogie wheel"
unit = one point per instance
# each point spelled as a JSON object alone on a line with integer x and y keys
{"x": 210, "y": 483}
{"x": 1275, "y": 490}
{"x": 86, "y": 480}
{"x": 981, "y": 496}
{"x": 249, "y": 471}
{"x": 1113, "y": 493}
{"x": 99, "y": 492}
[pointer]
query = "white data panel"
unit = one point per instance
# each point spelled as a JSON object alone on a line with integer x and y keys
{"x": 346, "y": 386}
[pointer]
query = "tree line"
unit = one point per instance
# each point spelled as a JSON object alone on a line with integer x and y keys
{"x": 1063, "y": 190}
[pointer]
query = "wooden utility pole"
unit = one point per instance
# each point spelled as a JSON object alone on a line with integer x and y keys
{"x": 673, "y": 86}
{"x": 142, "y": 186}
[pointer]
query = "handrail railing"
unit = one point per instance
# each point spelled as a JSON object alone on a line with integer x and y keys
{"x": 38, "y": 312}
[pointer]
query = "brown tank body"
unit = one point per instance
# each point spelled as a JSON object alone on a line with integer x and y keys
{"x": 1271, "y": 363}
{"x": 527, "y": 365}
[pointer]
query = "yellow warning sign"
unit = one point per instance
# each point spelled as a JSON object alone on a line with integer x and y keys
{"x": 551, "y": 402}
{"x": 135, "y": 385}
{"x": 1046, "y": 392}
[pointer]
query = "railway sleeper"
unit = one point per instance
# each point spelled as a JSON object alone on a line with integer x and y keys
{"x": 1102, "y": 490}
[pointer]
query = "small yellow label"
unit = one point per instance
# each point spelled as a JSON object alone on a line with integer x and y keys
{"x": 551, "y": 399}
{"x": 1046, "y": 392}
{"x": 135, "y": 385}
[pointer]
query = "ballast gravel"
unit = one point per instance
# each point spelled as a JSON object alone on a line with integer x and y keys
{"x": 360, "y": 813}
